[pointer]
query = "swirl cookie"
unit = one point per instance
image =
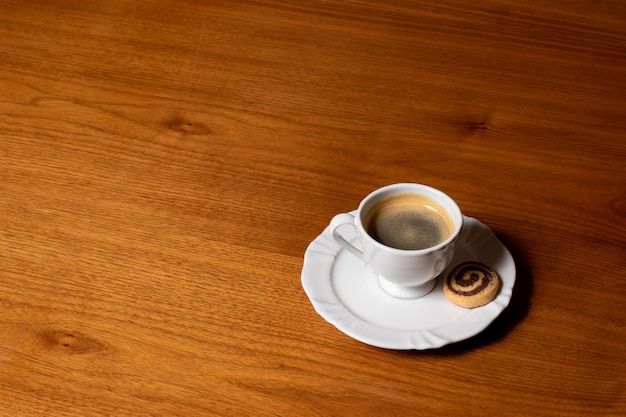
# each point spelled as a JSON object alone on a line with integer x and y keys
{"x": 471, "y": 284}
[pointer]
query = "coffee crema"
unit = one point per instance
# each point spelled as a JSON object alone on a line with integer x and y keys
{"x": 408, "y": 221}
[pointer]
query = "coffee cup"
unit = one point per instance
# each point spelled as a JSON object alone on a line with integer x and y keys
{"x": 406, "y": 233}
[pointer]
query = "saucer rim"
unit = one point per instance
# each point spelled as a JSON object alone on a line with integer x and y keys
{"x": 328, "y": 304}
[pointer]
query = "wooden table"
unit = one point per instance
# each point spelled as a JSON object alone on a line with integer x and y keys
{"x": 164, "y": 166}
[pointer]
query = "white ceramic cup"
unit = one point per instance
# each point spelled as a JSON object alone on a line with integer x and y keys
{"x": 402, "y": 273}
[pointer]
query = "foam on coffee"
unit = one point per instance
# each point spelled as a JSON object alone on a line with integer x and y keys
{"x": 408, "y": 221}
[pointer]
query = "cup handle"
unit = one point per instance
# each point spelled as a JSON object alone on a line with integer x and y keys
{"x": 338, "y": 221}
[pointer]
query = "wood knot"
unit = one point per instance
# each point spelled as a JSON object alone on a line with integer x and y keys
{"x": 181, "y": 125}
{"x": 618, "y": 205}
{"x": 69, "y": 342}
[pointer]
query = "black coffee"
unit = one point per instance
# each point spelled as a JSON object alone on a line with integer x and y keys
{"x": 408, "y": 221}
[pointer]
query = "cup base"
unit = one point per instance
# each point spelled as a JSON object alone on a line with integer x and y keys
{"x": 400, "y": 291}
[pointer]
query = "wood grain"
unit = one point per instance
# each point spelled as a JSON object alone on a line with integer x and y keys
{"x": 164, "y": 165}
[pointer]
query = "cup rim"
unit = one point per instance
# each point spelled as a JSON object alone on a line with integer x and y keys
{"x": 391, "y": 189}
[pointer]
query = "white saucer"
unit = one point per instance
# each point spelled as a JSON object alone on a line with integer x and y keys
{"x": 347, "y": 294}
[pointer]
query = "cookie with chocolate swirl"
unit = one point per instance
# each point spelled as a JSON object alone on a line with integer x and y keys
{"x": 471, "y": 284}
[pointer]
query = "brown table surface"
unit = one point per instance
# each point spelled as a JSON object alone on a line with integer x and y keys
{"x": 164, "y": 166}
